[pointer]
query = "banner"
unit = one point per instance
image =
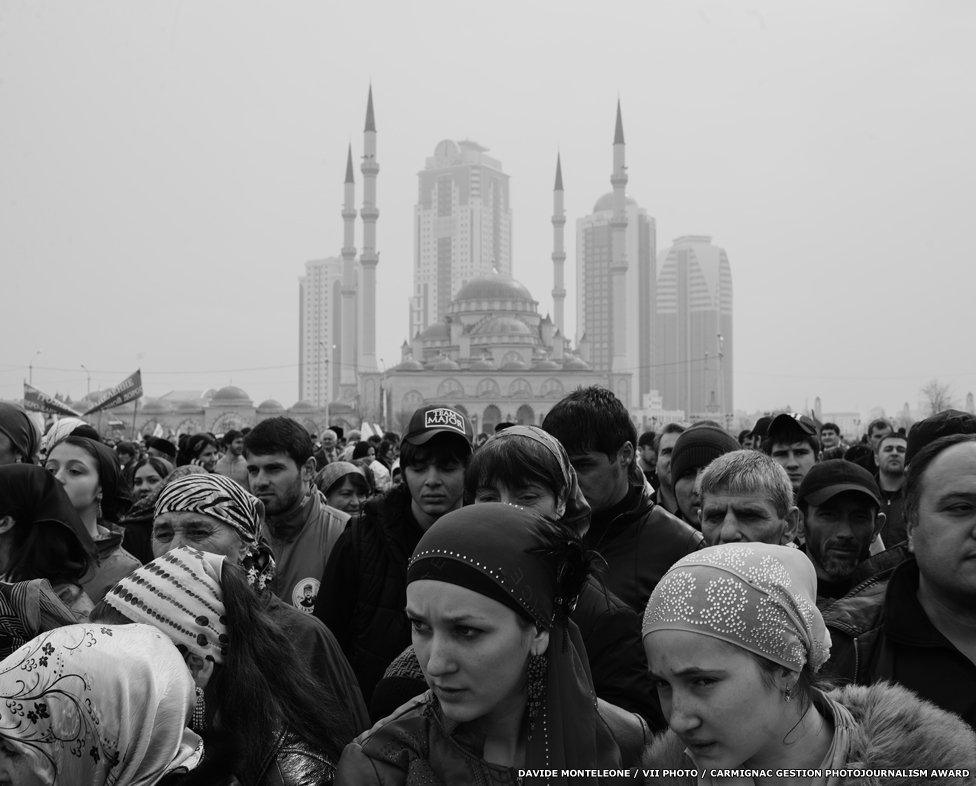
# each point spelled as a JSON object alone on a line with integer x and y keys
{"x": 37, "y": 401}
{"x": 129, "y": 389}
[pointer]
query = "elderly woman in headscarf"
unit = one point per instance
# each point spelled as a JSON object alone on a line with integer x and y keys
{"x": 344, "y": 485}
{"x": 215, "y": 514}
{"x": 90, "y": 474}
{"x": 42, "y": 536}
{"x": 86, "y": 704}
{"x": 18, "y": 437}
{"x": 734, "y": 640}
{"x": 526, "y": 466}
{"x": 489, "y": 592}
{"x": 263, "y": 716}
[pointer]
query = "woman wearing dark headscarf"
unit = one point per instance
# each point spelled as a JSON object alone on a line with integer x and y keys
{"x": 147, "y": 478}
{"x": 89, "y": 472}
{"x": 489, "y": 590}
{"x": 18, "y": 437}
{"x": 259, "y": 710}
{"x": 526, "y": 466}
{"x": 344, "y": 485}
{"x": 734, "y": 639}
{"x": 42, "y": 535}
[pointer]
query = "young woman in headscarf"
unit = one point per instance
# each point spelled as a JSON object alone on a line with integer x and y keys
{"x": 18, "y": 437}
{"x": 90, "y": 474}
{"x": 259, "y": 710}
{"x": 68, "y": 714}
{"x": 489, "y": 591}
{"x": 344, "y": 485}
{"x": 734, "y": 640}
{"x": 42, "y": 536}
{"x": 201, "y": 450}
{"x": 215, "y": 514}
{"x": 526, "y": 466}
{"x": 148, "y": 476}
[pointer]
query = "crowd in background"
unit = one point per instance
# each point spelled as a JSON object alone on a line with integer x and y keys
{"x": 450, "y": 608}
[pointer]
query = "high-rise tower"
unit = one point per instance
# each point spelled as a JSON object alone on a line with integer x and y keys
{"x": 463, "y": 227}
{"x": 558, "y": 250}
{"x": 369, "y": 258}
{"x": 618, "y": 260}
{"x": 345, "y": 358}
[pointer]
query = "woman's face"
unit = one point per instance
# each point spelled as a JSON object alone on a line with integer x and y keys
{"x": 472, "y": 649}
{"x": 198, "y": 531}
{"x": 346, "y": 498}
{"x": 715, "y": 699}
{"x": 145, "y": 481}
{"x": 371, "y": 453}
{"x": 76, "y": 470}
{"x": 533, "y": 496}
{"x": 208, "y": 457}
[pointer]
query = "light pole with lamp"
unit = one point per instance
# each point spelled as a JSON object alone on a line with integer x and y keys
{"x": 88, "y": 379}
{"x": 30, "y": 368}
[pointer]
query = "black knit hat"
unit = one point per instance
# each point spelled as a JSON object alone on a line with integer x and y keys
{"x": 951, "y": 421}
{"x": 829, "y": 478}
{"x": 698, "y": 447}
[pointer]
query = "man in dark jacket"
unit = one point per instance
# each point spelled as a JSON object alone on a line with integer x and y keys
{"x": 917, "y": 624}
{"x": 638, "y": 539}
{"x": 363, "y": 593}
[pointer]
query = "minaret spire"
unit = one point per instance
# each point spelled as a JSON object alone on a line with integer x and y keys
{"x": 558, "y": 251}
{"x": 347, "y": 340}
{"x": 369, "y": 258}
{"x": 618, "y": 260}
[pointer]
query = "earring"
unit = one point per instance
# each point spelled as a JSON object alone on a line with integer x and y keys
{"x": 788, "y": 694}
{"x": 538, "y": 665}
{"x": 199, "y": 711}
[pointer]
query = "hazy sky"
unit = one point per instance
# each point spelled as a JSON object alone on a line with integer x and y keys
{"x": 167, "y": 168}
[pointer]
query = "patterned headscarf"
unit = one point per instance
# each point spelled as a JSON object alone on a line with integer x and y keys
{"x": 19, "y": 429}
{"x": 225, "y": 500}
{"x": 58, "y": 431}
{"x": 99, "y": 705}
{"x": 179, "y": 593}
{"x": 756, "y": 596}
{"x": 335, "y": 471}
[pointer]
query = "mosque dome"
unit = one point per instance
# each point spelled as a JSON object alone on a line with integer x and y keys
{"x": 546, "y": 365}
{"x": 155, "y": 406}
{"x": 446, "y": 364}
{"x": 270, "y": 405}
{"x": 482, "y": 364}
{"x": 515, "y": 365}
{"x": 575, "y": 364}
{"x": 606, "y": 202}
{"x": 189, "y": 408}
{"x": 304, "y": 406}
{"x": 231, "y": 395}
{"x": 503, "y": 326}
{"x": 493, "y": 287}
{"x": 439, "y": 331}
{"x": 410, "y": 365}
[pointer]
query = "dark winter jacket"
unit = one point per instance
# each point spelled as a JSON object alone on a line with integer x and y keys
{"x": 893, "y": 730}
{"x": 640, "y": 541}
{"x": 364, "y": 586}
{"x": 879, "y": 631}
{"x": 610, "y": 630}
{"x": 417, "y": 745}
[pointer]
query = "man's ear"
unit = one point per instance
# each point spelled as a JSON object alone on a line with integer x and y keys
{"x": 308, "y": 470}
{"x": 540, "y": 642}
{"x": 795, "y": 524}
{"x": 879, "y": 521}
{"x": 7, "y": 524}
{"x": 911, "y": 523}
{"x": 626, "y": 454}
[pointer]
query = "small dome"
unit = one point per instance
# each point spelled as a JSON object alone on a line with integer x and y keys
{"x": 409, "y": 365}
{"x": 504, "y": 326}
{"x": 439, "y": 331}
{"x": 230, "y": 395}
{"x": 482, "y": 364}
{"x": 606, "y": 202}
{"x": 575, "y": 364}
{"x": 270, "y": 405}
{"x": 304, "y": 406}
{"x": 155, "y": 406}
{"x": 494, "y": 287}
{"x": 446, "y": 364}
{"x": 546, "y": 365}
{"x": 189, "y": 407}
{"x": 515, "y": 365}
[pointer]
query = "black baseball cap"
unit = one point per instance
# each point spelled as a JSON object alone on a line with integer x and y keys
{"x": 950, "y": 421}
{"x": 761, "y": 427}
{"x": 829, "y": 478}
{"x": 435, "y": 419}
{"x": 793, "y": 425}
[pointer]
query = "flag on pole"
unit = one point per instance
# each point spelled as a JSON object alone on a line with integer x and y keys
{"x": 38, "y": 401}
{"x": 129, "y": 389}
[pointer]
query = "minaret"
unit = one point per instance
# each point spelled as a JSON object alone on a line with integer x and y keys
{"x": 558, "y": 252}
{"x": 347, "y": 354}
{"x": 618, "y": 260}
{"x": 369, "y": 258}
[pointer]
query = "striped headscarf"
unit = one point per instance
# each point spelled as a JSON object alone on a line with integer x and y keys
{"x": 224, "y": 500}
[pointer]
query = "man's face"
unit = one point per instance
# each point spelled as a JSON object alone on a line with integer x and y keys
{"x": 328, "y": 443}
{"x": 277, "y": 481}
{"x": 797, "y": 458}
{"x": 943, "y": 537}
{"x": 237, "y": 447}
{"x": 876, "y": 435}
{"x": 602, "y": 480}
{"x": 829, "y": 438}
{"x": 891, "y": 456}
{"x": 647, "y": 454}
{"x": 839, "y": 533}
{"x": 744, "y": 518}
{"x": 435, "y": 487}
{"x": 686, "y": 494}
{"x": 664, "y": 459}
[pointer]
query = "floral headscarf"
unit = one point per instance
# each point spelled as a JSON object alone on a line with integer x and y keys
{"x": 99, "y": 705}
{"x": 224, "y": 500}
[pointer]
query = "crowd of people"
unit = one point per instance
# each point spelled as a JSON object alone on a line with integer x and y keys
{"x": 277, "y": 608}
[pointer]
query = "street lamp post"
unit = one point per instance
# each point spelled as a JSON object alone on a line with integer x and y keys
{"x": 87, "y": 380}
{"x": 30, "y": 368}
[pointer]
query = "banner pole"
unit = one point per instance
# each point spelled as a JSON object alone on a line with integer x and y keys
{"x": 135, "y": 411}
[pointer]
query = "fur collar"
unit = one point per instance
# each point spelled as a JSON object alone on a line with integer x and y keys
{"x": 894, "y": 730}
